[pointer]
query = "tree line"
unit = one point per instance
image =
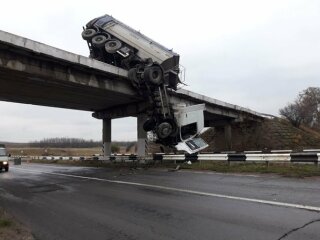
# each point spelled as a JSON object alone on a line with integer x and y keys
{"x": 65, "y": 142}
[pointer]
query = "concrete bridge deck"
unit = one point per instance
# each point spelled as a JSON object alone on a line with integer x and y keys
{"x": 35, "y": 73}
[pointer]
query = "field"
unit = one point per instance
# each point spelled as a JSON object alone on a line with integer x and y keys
{"x": 54, "y": 151}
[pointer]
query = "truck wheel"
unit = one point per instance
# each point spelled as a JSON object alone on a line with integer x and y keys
{"x": 100, "y": 40}
{"x": 7, "y": 169}
{"x": 164, "y": 130}
{"x": 87, "y": 34}
{"x": 113, "y": 46}
{"x": 153, "y": 74}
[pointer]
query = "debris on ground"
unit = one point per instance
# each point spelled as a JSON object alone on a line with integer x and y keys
{"x": 175, "y": 169}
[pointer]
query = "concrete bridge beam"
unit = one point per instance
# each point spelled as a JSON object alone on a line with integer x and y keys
{"x": 142, "y": 136}
{"x": 228, "y": 136}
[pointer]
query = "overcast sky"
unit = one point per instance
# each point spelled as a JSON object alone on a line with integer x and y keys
{"x": 257, "y": 54}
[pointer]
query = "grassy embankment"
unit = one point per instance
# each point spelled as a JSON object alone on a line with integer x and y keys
{"x": 283, "y": 169}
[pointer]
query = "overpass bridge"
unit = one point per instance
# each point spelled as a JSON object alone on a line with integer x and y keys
{"x": 35, "y": 73}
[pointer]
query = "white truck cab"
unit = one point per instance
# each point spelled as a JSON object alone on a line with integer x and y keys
{"x": 4, "y": 158}
{"x": 190, "y": 122}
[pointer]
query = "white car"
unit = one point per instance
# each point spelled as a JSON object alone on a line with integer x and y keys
{"x": 4, "y": 159}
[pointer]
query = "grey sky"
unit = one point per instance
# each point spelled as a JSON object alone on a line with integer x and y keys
{"x": 256, "y": 54}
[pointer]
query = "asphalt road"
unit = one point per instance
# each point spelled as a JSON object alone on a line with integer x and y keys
{"x": 60, "y": 202}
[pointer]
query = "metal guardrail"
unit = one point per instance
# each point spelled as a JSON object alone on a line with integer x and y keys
{"x": 286, "y": 156}
{"x": 302, "y": 157}
{"x": 115, "y": 158}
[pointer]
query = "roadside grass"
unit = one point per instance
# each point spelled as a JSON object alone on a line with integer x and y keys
{"x": 5, "y": 223}
{"x": 282, "y": 169}
{"x": 10, "y": 229}
{"x": 4, "y": 219}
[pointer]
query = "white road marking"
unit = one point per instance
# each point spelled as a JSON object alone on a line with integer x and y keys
{"x": 274, "y": 203}
{"x": 218, "y": 173}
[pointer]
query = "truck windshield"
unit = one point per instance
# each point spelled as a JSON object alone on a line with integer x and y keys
{"x": 3, "y": 152}
{"x": 188, "y": 131}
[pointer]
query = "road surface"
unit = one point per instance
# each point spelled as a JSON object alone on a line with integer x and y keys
{"x": 74, "y": 203}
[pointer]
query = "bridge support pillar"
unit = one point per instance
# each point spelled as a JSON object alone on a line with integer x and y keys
{"x": 228, "y": 136}
{"x": 142, "y": 136}
{"x": 106, "y": 136}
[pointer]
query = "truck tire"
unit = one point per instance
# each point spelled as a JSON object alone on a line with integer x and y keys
{"x": 87, "y": 34}
{"x": 164, "y": 130}
{"x": 100, "y": 40}
{"x": 112, "y": 46}
{"x": 6, "y": 168}
{"x": 153, "y": 75}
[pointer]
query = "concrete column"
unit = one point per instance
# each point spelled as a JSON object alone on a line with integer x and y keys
{"x": 142, "y": 136}
{"x": 228, "y": 136}
{"x": 106, "y": 136}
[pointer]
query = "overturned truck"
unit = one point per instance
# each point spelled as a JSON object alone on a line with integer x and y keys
{"x": 154, "y": 71}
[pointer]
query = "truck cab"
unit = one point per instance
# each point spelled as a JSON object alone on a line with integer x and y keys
{"x": 190, "y": 121}
{"x": 4, "y": 158}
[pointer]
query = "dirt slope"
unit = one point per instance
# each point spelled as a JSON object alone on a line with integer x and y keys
{"x": 271, "y": 134}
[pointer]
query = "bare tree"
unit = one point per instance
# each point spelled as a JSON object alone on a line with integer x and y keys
{"x": 65, "y": 142}
{"x": 305, "y": 109}
{"x": 309, "y": 100}
{"x": 292, "y": 112}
